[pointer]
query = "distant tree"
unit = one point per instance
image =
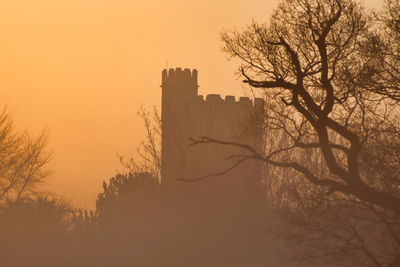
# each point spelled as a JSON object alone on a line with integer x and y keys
{"x": 148, "y": 154}
{"x": 36, "y": 217}
{"x": 33, "y": 231}
{"x": 127, "y": 197}
{"x": 23, "y": 161}
{"x": 330, "y": 75}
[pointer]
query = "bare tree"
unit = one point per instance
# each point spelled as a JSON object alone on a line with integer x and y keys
{"x": 330, "y": 74}
{"x": 148, "y": 158}
{"x": 307, "y": 60}
{"x": 23, "y": 161}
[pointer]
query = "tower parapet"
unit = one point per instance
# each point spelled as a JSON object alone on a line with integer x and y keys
{"x": 257, "y": 103}
{"x": 178, "y": 77}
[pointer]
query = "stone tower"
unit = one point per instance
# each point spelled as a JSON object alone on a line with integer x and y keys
{"x": 186, "y": 114}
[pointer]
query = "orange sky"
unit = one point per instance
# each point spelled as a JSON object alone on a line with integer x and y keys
{"x": 82, "y": 68}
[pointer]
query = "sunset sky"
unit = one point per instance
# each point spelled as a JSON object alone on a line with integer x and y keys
{"x": 82, "y": 68}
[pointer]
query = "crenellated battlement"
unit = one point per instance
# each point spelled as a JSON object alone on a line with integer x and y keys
{"x": 181, "y": 86}
{"x": 216, "y": 99}
{"x": 179, "y": 76}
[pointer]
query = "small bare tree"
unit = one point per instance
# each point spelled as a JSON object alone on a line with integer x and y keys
{"x": 23, "y": 161}
{"x": 148, "y": 158}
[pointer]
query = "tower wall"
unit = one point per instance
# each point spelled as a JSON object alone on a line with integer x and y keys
{"x": 185, "y": 114}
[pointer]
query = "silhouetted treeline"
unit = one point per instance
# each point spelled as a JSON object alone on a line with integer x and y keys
{"x": 137, "y": 222}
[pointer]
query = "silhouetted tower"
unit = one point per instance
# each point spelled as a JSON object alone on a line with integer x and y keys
{"x": 179, "y": 90}
{"x": 185, "y": 114}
